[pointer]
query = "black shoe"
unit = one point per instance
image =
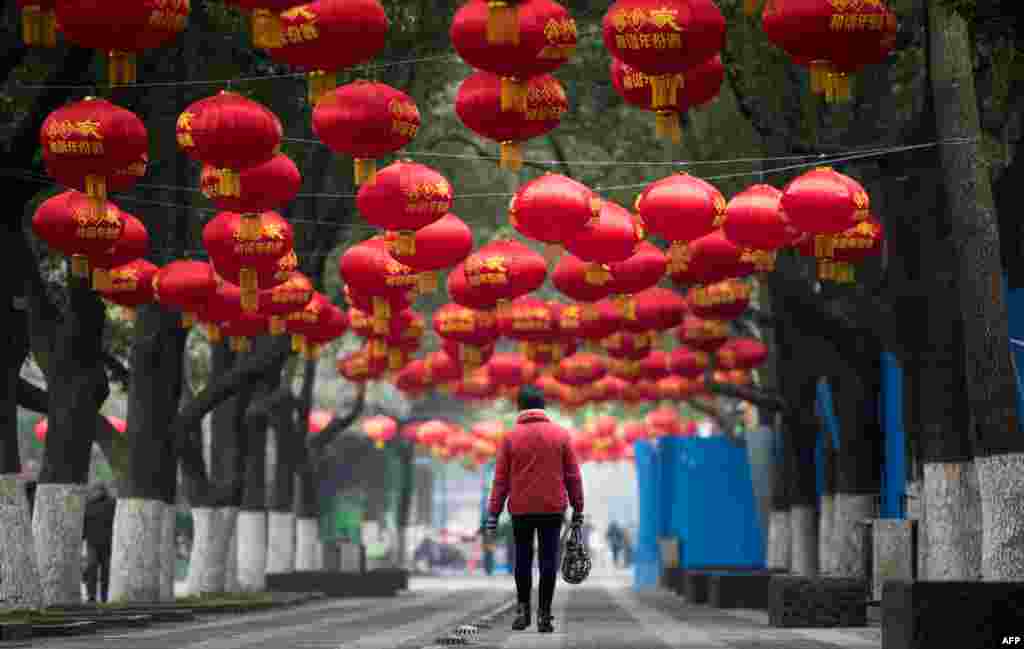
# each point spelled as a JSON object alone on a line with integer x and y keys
{"x": 544, "y": 622}
{"x": 522, "y": 618}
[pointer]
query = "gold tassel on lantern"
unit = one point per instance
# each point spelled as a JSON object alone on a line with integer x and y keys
{"x": 266, "y": 29}
{"x": 404, "y": 243}
{"x": 365, "y": 170}
{"x": 395, "y": 359}
{"x": 665, "y": 90}
{"x": 120, "y": 67}
{"x": 101, "y": 279}
{"x": 96, "y": 189}
{"x": 38, "y": 27}
{"x": 249, "y": 289}
{"x": 213, "y": 333}
{"x": 311, "y": 351}
{"x": 514, "y": 94}
{"x": 250, "y": 227}
{"x": 80, "y": 266}
{"x": 820, "y": 71}
{"x": 824, "y": 246}
{"x": 427, "y": 282}
{"x": 381, "y": 314}
{"x": 627, "y": 306}
{"x": 838, "y": 89}
{"x": 321, "y": 82}
{"x": 188, "y": 320}
{"x": 511, "y": 156}
{"x": 598, "y": 274}
{"x": 229, "y": 183}
{"x": 667, "y": 126}
{"x": 379, "y": 443}
{"x": 298, "y": 343}
{"x": 277, "y": 325}
{"x": 502, "y": 22}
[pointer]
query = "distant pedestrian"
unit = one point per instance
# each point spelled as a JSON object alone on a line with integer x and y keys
{"x": 614, "y": 538}
{"x": 627, "y": 547}
{"x": 535, "y": 469}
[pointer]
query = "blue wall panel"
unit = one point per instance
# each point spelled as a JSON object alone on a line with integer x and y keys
{"x": 646, "y": 563}
{"x": 894, "y": 474}
{"x": 1015, "y": 311}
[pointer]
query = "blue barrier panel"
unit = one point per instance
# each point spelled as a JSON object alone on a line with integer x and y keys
{"x": 646, "y": 562}
{"x": 723, "y": 525}
{"x": 894, "y": 474}
{"x": 1015, "y": 315}
{"x": 826, "y": 412}
{"x": 675, "y": 492}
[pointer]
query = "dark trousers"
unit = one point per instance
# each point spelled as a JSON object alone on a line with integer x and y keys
{"x": 97, "y": 574}
{"x": 547, "y": 528}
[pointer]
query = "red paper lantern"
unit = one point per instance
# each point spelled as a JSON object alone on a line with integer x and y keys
{"x": 410, "y": 380}
{"x": 661, "y": 308}
{"x": 266, "y": 186}
{"x": 756, "y": 224}
{"x": 70, "y": 223}
{"x": 552, "y": 208}
{"x": 249, "y": 262}
{"x": 656, "y": 365}
{"x": 699, "y": 86}
{"x": 720, "y": 301}
{"x": 405, "y": 196}
{"x": 580, "y": 281}
{"x": 133, "y": 244}
{"x": 627, "y": 346}
{"x": 358, "y": 368}
{"x": 510, "y": 370}
{"x": 741, "y": 354}
{"x": 380, "y": 429}
{"x": 369, "y": 268}
{"x": 468, "y": 295}
{"x": 472, "y": 331}
{"x": 479, "y": 107}
{"x": 121, "y": 29}
{"x": 185, "y": 285}
{"x": 332, "y": 324}
{"x": 703, "y": 335}
{"x": 664, "y": 421}
{"x": 131, "y": 285}
{"x": 505, "y": 269}
{"x": 241, "y": 329}
{"x": 824, "y": 201}
{"x": 581, "y": 368}
{"x": 611, "y": 237}
{"x": 442, "y": 244}
{"x": 366, "y": 120}
{"x": 601, "y": 320}
{"x": 392, "y": 302}
{"x": 664, "y": 38}
{"x": 528, "y": 319}
{"x": 687, "y": 362}
{"x": 711, "y": 258}
{"x": 441, "y": 367}
{"x": 87, "y": 142}
{"x": 304, "y": 323}
{"x": 119, "y": 180}
{"x": 545, "y": 40}
{"x": 288, "y": 297}
{"x": 547, "y": 354}
{"x": 325, "y": 36}
{"x": 633, "y": 431}
{"x": 852, "y": 247}
{"x": 681, "y": 208}
{"x": 230, "y": 133}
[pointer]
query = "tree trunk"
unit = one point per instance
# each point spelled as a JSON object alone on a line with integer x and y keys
{"x": 252, "y": 520}
{"x": 147, "y": 494}
{"x": 281, "y": 516}
{"x": 779, "y": 530}
{"x": 19, "y": 577}
{"x": 803, "y": 513}
{"x": 826, "y": 517}
{"x": 168, "y": 554}
{"x": 406, "y": 454}
{"x": 859, "y": 468}
{"x": 76, "y": 376}
{"x": 307, "y": 543}
{"x": 308, "y": 554}
{"x": 991, "y": 385}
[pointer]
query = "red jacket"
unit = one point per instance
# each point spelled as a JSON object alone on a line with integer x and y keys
{"x": 536, "y": 466}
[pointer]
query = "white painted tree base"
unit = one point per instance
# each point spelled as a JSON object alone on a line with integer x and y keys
{"x": 779, "y": 542}
{"x": 252, "y": 550}
{"x": 848, "y": 533}
{"x": 19, "y": 576}
{"x": 231, "y": 584}
{"x": 952, "y": 528}
{"x": 135, "y": 559}
{"x": 57, "y": 530}
{"x": 280, "y": 542}
{"x": 307, "y": 543}
{"x": 213, "y": 530}
{"x": 168, "y": 554}
{"x": 1001, "y": 484}
{"x": 826, "y": 545}
{"x": 803, "y": 525}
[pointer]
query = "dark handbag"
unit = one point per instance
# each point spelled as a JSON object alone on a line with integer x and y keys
{"x": 575, "y": 560}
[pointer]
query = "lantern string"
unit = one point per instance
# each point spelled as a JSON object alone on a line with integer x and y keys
{"x": 818, "y": 160}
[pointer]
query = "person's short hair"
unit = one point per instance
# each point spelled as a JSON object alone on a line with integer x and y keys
{"x": 530, "y": 398}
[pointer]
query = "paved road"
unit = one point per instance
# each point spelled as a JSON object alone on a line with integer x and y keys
{"x": 603, "y": 613}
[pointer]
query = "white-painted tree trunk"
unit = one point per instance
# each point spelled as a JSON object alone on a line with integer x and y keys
{"x": 280, "y": 542}
{"x": 803, "y": 524}
{"x": 848, "y": 532}
{"x": 1001, "y": 485}
{"x": 779, "y": 544}
{"x": 306, "y": 543}
{"x": 231, "y": 584}
{"x": 952, "y": 528}
{"x": 168, "y": 553}
{"x": 252, "y": 550}
{"x": 826, "y": 544}
{"x": 57, "y": 523}
{"x": 19, "y": 575}
{"x": 214, "y": 528}
{"x": 135, "y": 558}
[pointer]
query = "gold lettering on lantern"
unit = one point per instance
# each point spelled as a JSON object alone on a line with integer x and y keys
{"x": 306, "y": 30}
{"x": 486, "y": 270}
{"x": 429, "y": 197}
{"x": 634, "y": 80}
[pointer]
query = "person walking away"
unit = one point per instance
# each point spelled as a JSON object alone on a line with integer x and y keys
{"x": 627, "y": 548}
{"x": 538, "y": 473}
{"x": 614, "y": 538}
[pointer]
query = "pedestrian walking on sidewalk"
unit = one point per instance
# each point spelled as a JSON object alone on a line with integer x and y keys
{"x": 537, "y": 472}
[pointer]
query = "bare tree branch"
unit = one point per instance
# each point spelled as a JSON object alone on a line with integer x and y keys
{"x": 324, "y": 438}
